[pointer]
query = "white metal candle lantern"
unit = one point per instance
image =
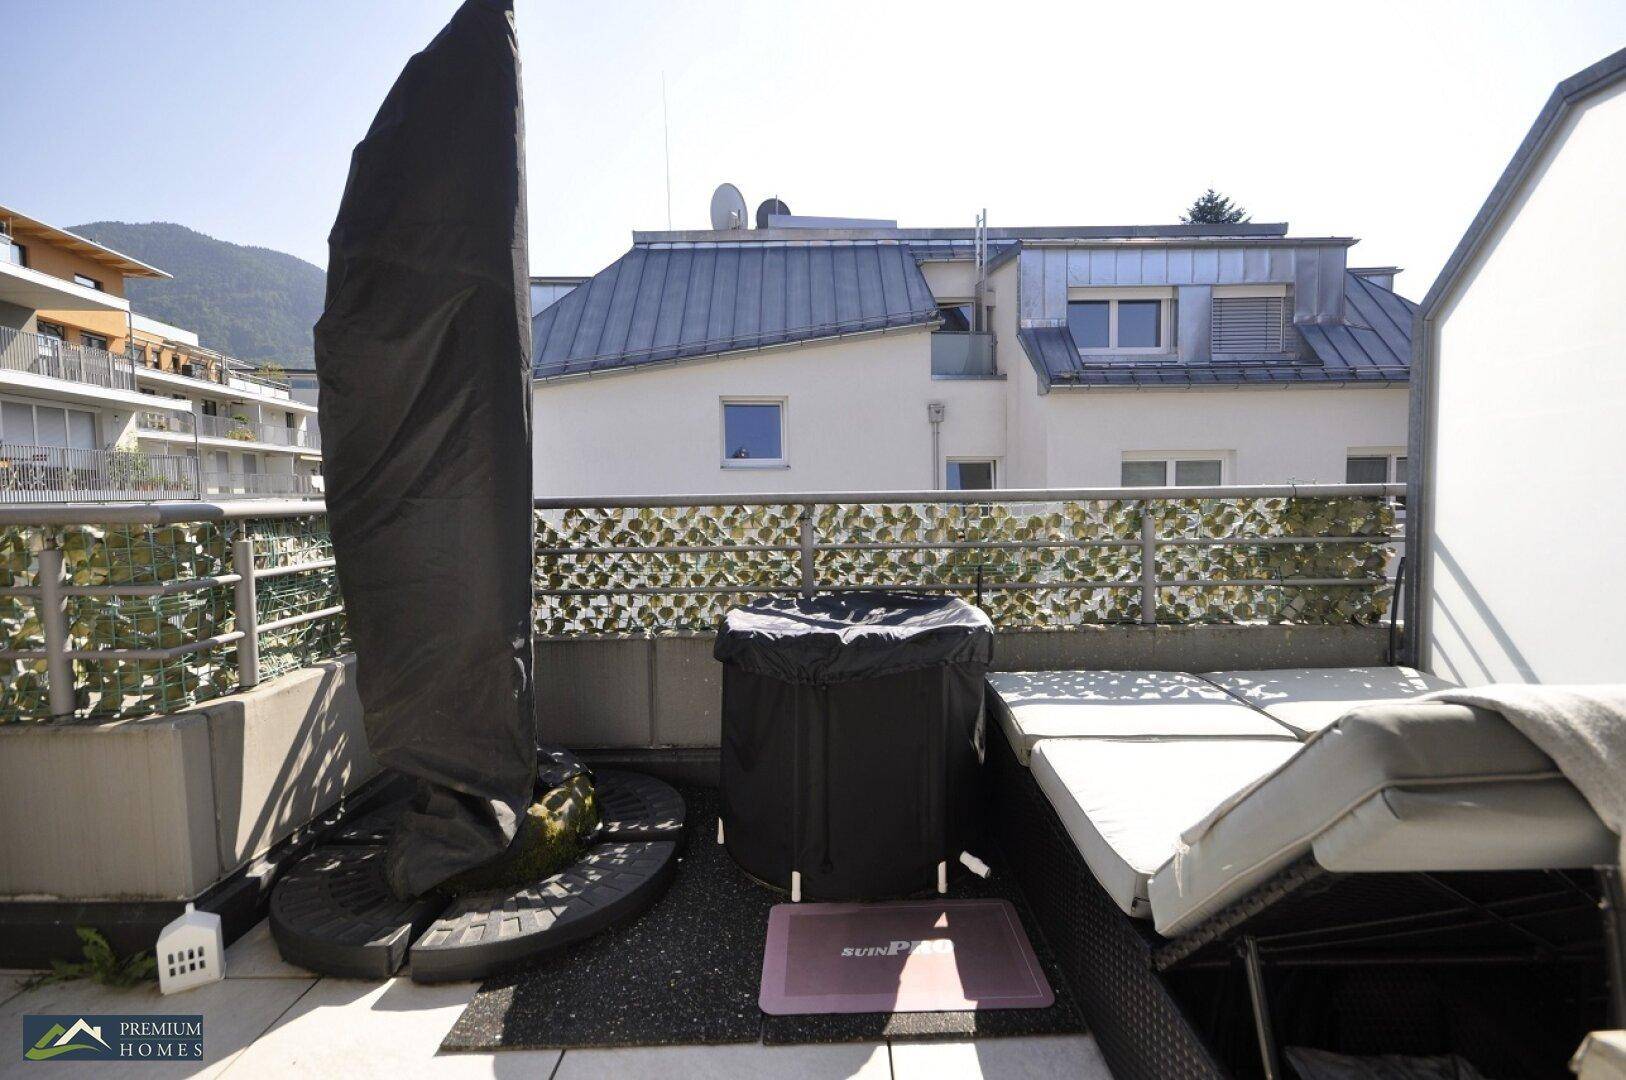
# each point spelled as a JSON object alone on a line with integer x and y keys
{"x": 191, "y": 951}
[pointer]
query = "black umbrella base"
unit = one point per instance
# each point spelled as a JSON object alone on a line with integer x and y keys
{"x": 332, "y": 912}
{"x": 633, "y": 806}
{"x": 486, "y": 932}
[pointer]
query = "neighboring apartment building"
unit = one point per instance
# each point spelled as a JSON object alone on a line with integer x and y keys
{"x": 819, "y": 355}
{"x": 98, "y": 402}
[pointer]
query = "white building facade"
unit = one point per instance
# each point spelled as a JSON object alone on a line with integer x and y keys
{"x": 793, "y": 359}
{"x": 1520, "y": 368}
{"x": 100, "y": 403}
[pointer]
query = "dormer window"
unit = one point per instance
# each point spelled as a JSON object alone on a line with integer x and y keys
{"x": 1127, "y": 321}
{"x": 1248, "y": 319}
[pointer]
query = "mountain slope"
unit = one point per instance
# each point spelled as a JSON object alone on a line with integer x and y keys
{"x": 249, "y": 302}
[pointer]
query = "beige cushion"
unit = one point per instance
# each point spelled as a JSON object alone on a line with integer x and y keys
{"x": 1034, "y": 705}
{"x": 1308, "y": 699}
{"x": 1495, "y": 825}
{"x": 1259, "y": 831}
{"x": 1124, "y": 802}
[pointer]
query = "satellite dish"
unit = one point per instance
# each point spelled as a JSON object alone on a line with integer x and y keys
{"x": 728, "y": 208}
{"x": 769, "y": 206}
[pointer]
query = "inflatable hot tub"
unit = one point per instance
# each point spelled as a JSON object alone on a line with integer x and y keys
{"x": 853, "y": 735}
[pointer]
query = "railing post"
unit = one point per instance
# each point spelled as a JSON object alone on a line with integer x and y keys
{"x": 809, "y": 572}
{"x": 248, "y": 614}
{"x": 54, "y": 621}
{"x": 1148, "y": 564}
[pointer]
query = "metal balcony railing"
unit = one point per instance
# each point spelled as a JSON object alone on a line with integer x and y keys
{"x": 141, "y": 609}
{"x": 41, "y": 354}
{"x": 1044, "y": 559}
{"x": 215, "y": 372}
{"x": 128, "y": 611}
{"x": 963, "y": 355}
{"x": 259, "y": 484}
{"x": 56, "y": 474}
{"x": 226, "y": 427}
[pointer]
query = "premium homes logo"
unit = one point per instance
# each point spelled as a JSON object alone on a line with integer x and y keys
{"x": 113, "y": 1038}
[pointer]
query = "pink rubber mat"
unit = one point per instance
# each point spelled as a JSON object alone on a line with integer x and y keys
{"x": 910, "y": 956}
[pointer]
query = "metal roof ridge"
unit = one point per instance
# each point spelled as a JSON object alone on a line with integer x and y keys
{"x": 1020, "y": 232}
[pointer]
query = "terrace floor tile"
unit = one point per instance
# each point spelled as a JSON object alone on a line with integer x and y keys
{"x": 235, "y": 1013}
{"x": 255, "y": 956}
{"x": 390, "y": 1030}
{"x": 1040, "y": 1058}
{"x": 747, "y": 1061}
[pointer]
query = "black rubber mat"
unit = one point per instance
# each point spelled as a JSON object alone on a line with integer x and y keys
{"x": 331, "y": 913}
{"x": 635, "y": 806}
{"x": 486, "y": 932}
{"x": 688, "y": 972}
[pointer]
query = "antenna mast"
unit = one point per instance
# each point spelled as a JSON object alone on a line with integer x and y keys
{"x": 979, "y": 253}
{"x": 666, "y": 142}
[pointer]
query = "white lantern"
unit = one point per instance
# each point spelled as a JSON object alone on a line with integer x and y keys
{"x": 191, "y": 951}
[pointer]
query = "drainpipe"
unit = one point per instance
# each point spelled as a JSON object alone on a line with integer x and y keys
{"x": 934, "y": 416}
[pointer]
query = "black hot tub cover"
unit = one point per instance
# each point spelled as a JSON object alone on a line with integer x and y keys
{"x": 843, "y": 636}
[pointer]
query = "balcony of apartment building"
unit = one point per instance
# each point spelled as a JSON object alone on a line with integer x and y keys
{"x": 236, "y": 429}
{"x": 45, "y": 363}
{"x": 62, "y": 314}
{"x": 197, "y": 664}
{"x": 961, "y": 348}
{"x": 181, "y": 367}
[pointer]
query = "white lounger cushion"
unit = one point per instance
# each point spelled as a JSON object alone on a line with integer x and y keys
{"x": 1496, "y": 825}
{"x": 1415, "y": 746}
{"x": 1124, "y": 802}
{"x": 1034, "y": 705}
{"x": 1308, "y": 699}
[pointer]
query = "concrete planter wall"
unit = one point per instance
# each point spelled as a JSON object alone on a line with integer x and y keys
{"x": 163, "y": 808}
{"x": 635, "y": 693}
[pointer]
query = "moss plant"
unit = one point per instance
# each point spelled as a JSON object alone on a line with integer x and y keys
{"x": 552, "y": 836}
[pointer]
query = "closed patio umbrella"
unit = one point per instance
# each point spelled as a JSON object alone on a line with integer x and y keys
{"x": 423, "y": 353}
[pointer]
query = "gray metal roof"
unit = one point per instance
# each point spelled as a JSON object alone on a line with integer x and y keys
{"x": 670, "y": 301}
{"x": 1372, "y": 344}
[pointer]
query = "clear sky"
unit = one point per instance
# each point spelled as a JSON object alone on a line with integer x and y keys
{"x": 1384, "y": 121}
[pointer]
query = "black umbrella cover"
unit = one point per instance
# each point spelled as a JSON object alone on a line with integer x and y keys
{"x": 423, "y": 354}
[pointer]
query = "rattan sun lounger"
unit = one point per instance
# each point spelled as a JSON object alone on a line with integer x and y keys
{"x": 1409, "y": 875}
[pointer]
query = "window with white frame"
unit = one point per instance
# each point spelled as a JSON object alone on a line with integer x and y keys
{"x": 1132, "y": 321}
{"x": 1375, "y": 467}
{"x": 1172, "y": 470}
{"x": 753, "y": 433}
{"x": 970, "y": 474}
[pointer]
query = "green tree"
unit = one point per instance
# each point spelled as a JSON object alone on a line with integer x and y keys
{"x": 1212, "y": 208}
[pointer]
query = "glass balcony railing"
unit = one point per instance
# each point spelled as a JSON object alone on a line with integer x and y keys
{"x": 260, "y": 484}
{"x": 962, "y": 355}
{"x": 228, "y": 427}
